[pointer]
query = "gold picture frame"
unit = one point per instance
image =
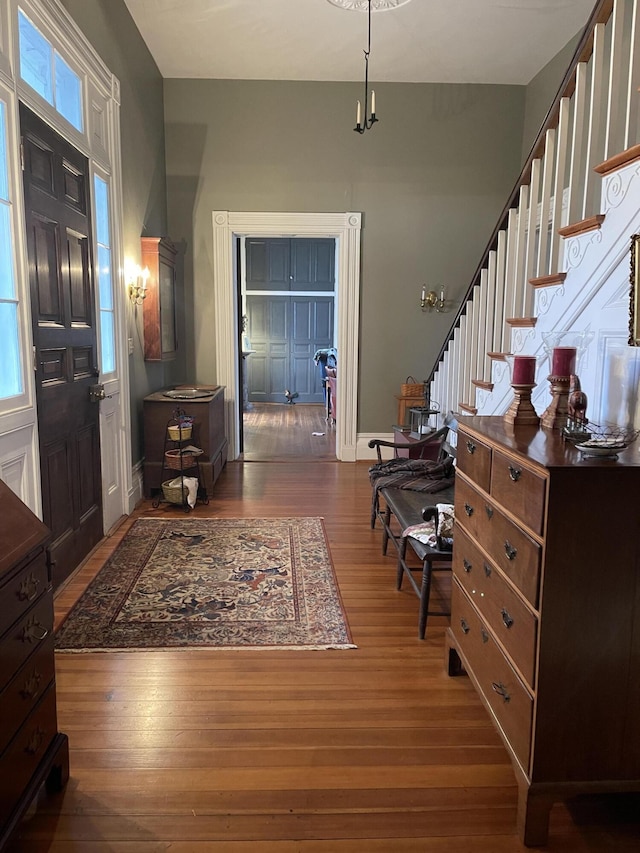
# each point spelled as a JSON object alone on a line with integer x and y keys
{"x": 634, "y": 293}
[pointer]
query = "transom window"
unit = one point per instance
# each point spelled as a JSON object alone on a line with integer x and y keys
{"x": 42, "y": 68}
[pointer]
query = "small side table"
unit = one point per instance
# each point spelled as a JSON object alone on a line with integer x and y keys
{"x": 406, "y": 403}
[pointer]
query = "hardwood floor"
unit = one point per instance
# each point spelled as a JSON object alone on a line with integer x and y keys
{"x": 282, "y": 432}
{"x": 372, "y": 750}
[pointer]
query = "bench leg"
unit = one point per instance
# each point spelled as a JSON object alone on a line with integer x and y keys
{"x": 402, "y": 555}
{"x": 385, "y": 531}
{"x": 425, "y": 593}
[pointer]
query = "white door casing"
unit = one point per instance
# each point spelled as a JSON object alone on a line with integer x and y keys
{"x": 345, "y": 228}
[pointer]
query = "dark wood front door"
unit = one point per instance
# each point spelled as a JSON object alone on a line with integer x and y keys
{"x": 57, "y": 210}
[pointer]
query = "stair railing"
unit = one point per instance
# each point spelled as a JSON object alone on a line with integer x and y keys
{"x": 594, "y": 114}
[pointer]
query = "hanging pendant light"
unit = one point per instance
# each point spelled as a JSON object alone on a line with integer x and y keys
{"x": 366, "y": 118}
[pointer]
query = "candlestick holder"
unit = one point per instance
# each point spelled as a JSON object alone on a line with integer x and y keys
{"x": 522, "y": 370}
{"x": 565, "y": 351}
{"x": 555, "y": 415}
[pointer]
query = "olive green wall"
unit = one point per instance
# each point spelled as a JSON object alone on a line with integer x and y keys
{"x": 111, "y": 30}
{"x": 430, "y": 180}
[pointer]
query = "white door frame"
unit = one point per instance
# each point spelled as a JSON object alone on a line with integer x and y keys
{"x": 345, "y": 228}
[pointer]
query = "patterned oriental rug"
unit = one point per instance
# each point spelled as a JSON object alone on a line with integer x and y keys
{"x": 234, "y": 583}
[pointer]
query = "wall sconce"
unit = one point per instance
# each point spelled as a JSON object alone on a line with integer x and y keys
{"x": 431, "y": 300}
{"x": 136, "y": 281}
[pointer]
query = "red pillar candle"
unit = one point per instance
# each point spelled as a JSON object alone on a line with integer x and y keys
{"x": 564, "y": 361}
{"x": 524, "y": 370}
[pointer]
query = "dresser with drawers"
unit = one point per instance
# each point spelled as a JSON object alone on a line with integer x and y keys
{"x": 32, "y": 751}
{"x": 546, "y": 609}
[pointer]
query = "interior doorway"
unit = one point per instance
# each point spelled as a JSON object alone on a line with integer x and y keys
{"x": 345, "y": 229}
{"x": 287, "y": 290}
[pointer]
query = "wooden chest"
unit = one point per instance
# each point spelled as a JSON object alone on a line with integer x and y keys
{"x": 546, "y": 609}
{"x": 208, "y": 434}
{"x": 32, "y": 751}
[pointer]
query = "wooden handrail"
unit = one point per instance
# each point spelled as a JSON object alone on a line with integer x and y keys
{"x": 600, "y": 15}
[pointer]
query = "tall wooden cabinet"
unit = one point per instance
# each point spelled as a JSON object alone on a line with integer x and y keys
{"x": 32, "y": 750}
{"x": 546, "y": 609}
{"x": 159, "y": 307}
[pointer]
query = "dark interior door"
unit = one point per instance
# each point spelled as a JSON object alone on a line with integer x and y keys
{"x": 289, "y": 316}
{"x": 57, "y": 210}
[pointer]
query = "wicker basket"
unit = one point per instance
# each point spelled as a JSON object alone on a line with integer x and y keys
{"x": 178, "y": 460}
{"x": 174, "y": 494}
{"x": 412, "y": 389}
{"x": 180, "y": 432}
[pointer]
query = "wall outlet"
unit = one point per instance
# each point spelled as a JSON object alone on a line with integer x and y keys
{"x": 130, "y": 346}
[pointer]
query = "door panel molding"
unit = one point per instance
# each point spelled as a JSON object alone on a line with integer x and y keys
{"x": 345, "y": 229}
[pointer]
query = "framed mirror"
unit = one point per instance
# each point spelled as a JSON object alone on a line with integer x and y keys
{"x": 634, "y": 293}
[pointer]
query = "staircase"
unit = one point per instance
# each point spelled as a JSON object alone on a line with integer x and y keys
{"x": 559, "y": 258}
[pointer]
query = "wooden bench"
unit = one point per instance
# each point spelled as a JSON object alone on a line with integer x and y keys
{"x": 403, "y": 508}
{"x": 409, "y": 508}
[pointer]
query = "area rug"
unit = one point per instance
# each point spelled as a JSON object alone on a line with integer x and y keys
{"x": 233, "y": 583}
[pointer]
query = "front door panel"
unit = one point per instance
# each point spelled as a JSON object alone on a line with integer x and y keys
{"x": 63, "y": 310}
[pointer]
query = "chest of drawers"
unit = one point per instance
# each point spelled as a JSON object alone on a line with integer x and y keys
{"x": 32, "y": 751}
{"x": 546, "y": 609}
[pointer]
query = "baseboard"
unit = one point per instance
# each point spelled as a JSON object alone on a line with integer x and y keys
{"x": 363, "y": 451}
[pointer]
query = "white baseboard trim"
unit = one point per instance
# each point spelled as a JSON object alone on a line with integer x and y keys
{"x": 363, "y": 451}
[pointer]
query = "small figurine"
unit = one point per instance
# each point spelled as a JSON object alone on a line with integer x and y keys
{"x": 576, "y": 404}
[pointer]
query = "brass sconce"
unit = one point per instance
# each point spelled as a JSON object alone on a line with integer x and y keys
{"x": 431, "y": 300}
{"x": 136, "y": 280}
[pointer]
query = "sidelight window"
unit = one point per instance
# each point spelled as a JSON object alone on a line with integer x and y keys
{"x": 11, "y": 373}
{"x": 105, "y": 277}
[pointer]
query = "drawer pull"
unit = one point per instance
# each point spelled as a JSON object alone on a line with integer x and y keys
{"x": 465, "y": 627}
{"x": 28, "y": 589}
{"x": 468, "y": 509}
{"x": 514, "y": 473}
{"x": 466, "y": 565}
{"x": 507, "y": 618}
{"x": 487, "y": 569}
{"x": 484, "y": 635}
{"x": 509, "y": 550}
{"x": 34, "y": 631}
{"x": 501, "y": 690}
{"x": 489, "y": 511}
{"x": 471, "y": 448}
{"x": 31, "y": 685}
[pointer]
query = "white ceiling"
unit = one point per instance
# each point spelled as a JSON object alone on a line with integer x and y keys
{"x": 449, "y": 41}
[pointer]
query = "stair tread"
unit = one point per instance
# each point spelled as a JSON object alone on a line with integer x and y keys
{"x": 548, "y": 280}
{"x": 522, "y": 322}
{"x": 589, "y": 224}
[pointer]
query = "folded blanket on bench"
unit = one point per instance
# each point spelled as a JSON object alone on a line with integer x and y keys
{"x": 419, "y": 475}
{"x": 437, "y": 532}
